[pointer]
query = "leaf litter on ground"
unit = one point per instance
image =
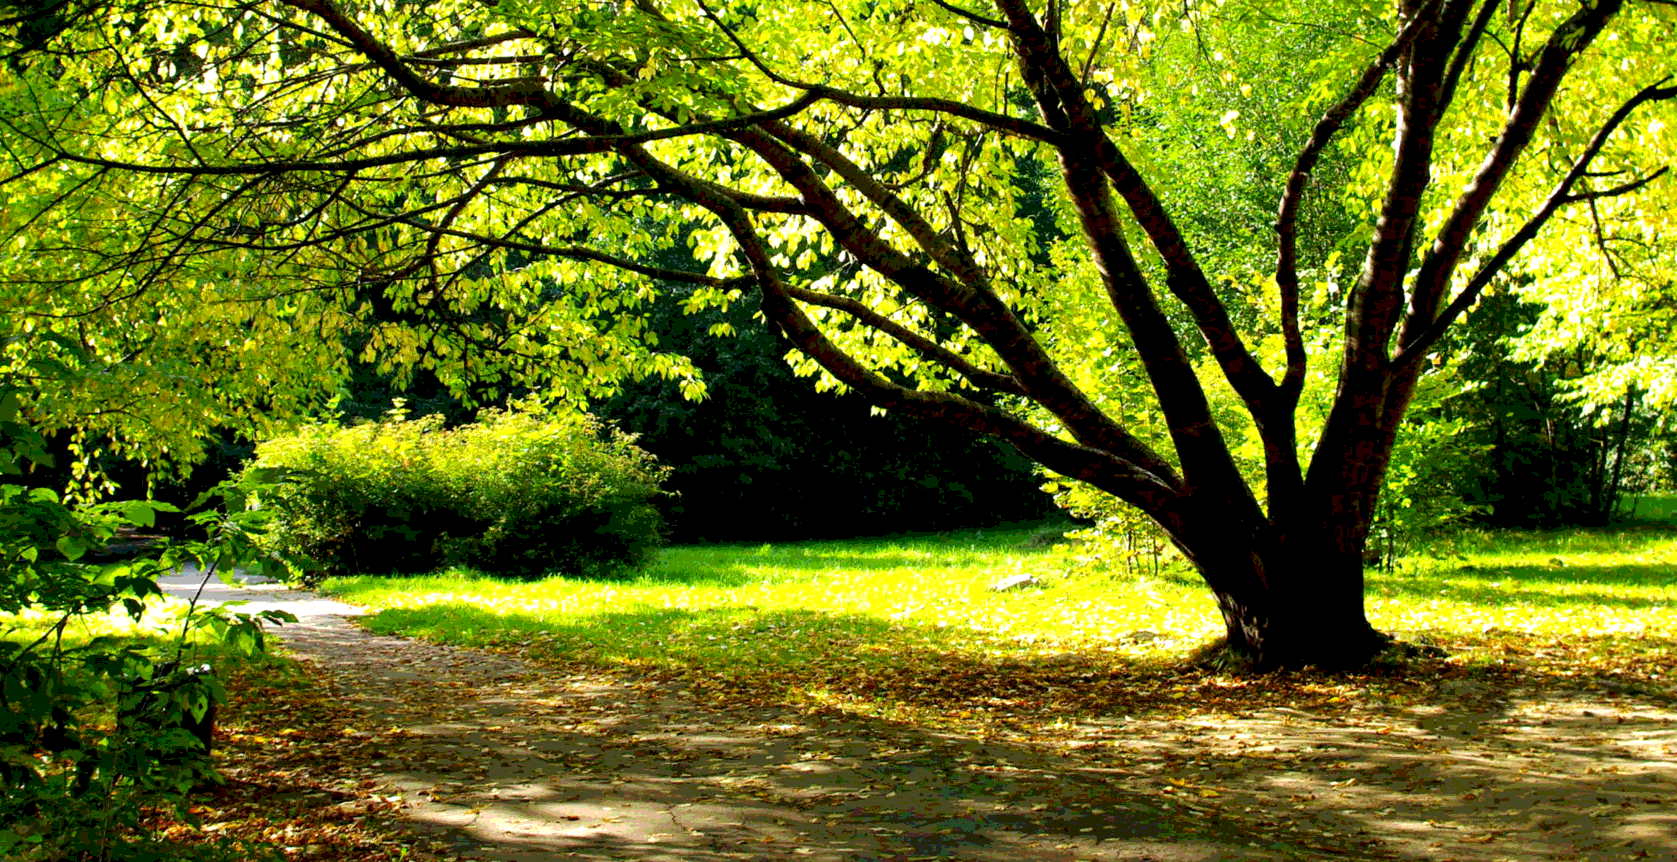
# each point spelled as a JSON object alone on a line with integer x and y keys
{"x": 1560, "y": 643}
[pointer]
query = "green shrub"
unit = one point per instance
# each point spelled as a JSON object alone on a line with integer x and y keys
{"x": 98, "y": 731}
{"x": 521, "y": 492}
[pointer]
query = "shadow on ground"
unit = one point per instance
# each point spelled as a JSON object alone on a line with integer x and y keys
{"x": 509, "y": 761}
{"x": 1055, "y": 758}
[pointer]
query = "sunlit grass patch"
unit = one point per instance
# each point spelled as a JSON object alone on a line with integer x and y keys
{"x": 1560, "y": 583}
{"x": 908, "y": 627}
{"x": 737, "y": 607}
{"x": 161, "y": 620}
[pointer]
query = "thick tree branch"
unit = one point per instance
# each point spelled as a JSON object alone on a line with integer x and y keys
{"x": 1465, "y": 51}
{"x": 975, "y": 305}
{"x": 1207, "y": 466}
{"x": 590, "y": 144}
{"x": 1292, "y": 197}
{"x": 1142, "y": 487}
{"x": 946, "y": 253}
{"x": 524, "y": 93}
{"x": 1353, "y": 451}
{"x": 1438, "y": 266}
{"x": 1095, "y": 466}
{"x": 1376, "y": 301}
{"x": 1187, "y": 280}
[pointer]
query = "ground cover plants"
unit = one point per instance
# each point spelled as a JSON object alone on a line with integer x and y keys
{"x": 909, "y": 626}
{"x": 107, "y": 699}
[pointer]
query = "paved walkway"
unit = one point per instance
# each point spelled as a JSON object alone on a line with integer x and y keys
{"x": 510, "y": 763}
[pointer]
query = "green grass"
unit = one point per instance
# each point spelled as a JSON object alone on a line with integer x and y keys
{"x": 1549, "y": 584}
{"x": 746, "y": 607}
{"x": 867, "y": 603}
{"x": 160, "y": 626}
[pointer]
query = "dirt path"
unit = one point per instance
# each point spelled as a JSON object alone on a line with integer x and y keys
{"x": 506, "y": 761}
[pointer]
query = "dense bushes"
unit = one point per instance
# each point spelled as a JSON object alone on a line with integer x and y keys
{"x": 521, "y": 492}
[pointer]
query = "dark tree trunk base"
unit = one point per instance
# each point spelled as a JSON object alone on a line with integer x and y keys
{"x": 1377, "y": 649}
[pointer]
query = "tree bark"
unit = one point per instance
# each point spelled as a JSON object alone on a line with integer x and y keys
{"x": 1289, "y": 601}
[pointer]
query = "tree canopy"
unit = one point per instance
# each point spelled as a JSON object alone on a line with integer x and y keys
{"x": 1122, "y": 237}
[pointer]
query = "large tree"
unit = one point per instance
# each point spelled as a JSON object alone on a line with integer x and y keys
{"x": 941, "y": 205}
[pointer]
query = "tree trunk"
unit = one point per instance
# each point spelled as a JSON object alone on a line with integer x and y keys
{"x": 1293, "y": 606}
{"x": 1612, "y": 507}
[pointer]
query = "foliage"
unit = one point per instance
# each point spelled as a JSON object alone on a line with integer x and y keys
{"x": 1434, "y": 464}
{"x": 524, "y": 492}
{"x": 745, "y": 461}
{"x": 94, "y": 733}
{"x": 1548, "y": 458}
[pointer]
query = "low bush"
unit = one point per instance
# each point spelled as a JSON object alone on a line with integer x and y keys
{"x": 521, "y": 492}
{"x": 106, "y": 711}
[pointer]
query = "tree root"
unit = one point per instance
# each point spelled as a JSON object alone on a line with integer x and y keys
{"x": 1387, "y": 653}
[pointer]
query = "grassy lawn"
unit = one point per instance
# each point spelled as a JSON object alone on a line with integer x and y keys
{"x": 158, "y": 629}
{"x": 883, "y": 625}
{"x": 1553, "y": 584}
{"x": 742, "y": 607}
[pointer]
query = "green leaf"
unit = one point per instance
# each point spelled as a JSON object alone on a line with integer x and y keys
{"x": 140, "y": 513}
{"x": 71, "y": 547}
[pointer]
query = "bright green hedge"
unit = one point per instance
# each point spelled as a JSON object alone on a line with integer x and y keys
{"x": 521, "y": 492}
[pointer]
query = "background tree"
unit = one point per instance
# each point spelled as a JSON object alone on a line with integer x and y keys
{"x": 1551, "y": 456}
{"x": 765, "y": 457}
{"x": 456, "y": 180}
